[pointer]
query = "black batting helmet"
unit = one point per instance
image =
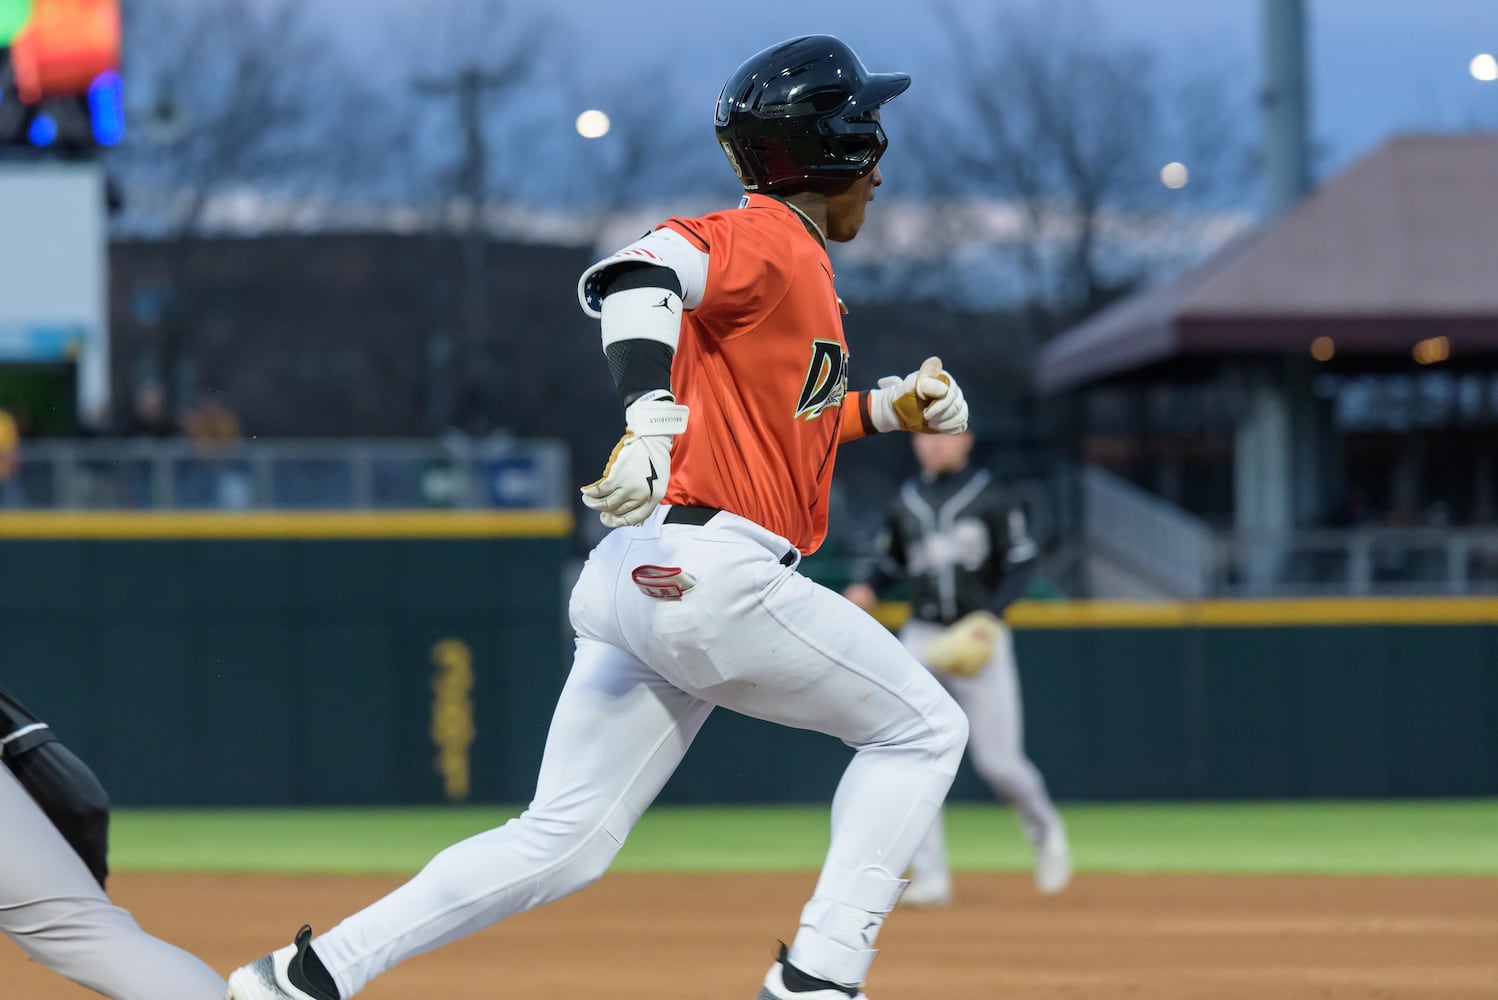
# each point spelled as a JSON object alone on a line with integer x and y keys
{"x": 801, "y": 112}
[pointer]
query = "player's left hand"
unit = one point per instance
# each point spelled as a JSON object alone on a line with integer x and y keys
{"x": 635, "y": 476}
{"x": 927, "y": 401}
{"x": 965, "y": 648}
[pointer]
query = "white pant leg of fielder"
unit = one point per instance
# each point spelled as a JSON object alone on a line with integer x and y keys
{"x": 617, "y": 734}
{"x": 51, "y": 906}
{"x": 929, "y": 865}
{"x": 995, "y": 715}
{"x": 998, "y": 751}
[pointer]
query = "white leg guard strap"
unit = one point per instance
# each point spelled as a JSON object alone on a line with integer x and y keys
{"x": 829, "y": 960}
{"x": 872, "y": 891}
{"x": 839, "y": 925}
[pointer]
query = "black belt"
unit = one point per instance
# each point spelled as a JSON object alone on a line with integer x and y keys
{"x": 690, "y": 514}
{"x": 686, "y": 514}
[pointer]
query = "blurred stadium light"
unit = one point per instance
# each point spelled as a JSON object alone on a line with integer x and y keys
{"x": 42, "y": 131}
{"x": 107, "y": 108}
{"x": 59, "y": 80}
{"x": 592, "y": 124}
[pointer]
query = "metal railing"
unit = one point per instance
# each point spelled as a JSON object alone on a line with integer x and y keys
{"x": 1151, "y": 536}
{"x": 1180, "y": 554}
{"x": 332, "y": 474}
{"x": 1148, "y": 535}
{"x": 1357, "y": 561}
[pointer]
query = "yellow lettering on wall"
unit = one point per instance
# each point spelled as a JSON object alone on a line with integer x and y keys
{"x": 452, "y": 715}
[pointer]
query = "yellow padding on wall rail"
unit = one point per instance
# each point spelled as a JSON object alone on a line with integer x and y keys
{"x": 160, "y": 525}
{"x": 1229, "y": 613}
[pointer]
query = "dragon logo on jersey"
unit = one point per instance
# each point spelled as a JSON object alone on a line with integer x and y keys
{"x": 826, "y": 380}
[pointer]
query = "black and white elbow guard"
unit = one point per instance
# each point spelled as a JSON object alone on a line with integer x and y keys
{"x": 641, "y": 326}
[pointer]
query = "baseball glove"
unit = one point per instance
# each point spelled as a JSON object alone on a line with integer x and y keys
{"x": 965, "y": 648}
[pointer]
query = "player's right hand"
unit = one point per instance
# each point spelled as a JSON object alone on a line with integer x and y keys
{"x": 635, "y": 476}
{"x": 927, "y": 401}
{"x": 862, "y": 595}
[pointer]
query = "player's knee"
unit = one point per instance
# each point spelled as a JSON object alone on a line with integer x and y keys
{"x": 579, "y": 846}
{"x": 589, "y": 864}
{"x": 949, "y": 730}
{"x": 90, "y": 941}
{"x": 89, "y": 918}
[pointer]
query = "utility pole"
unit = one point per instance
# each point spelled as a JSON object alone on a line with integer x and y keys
{"x": 1287, "y": 174}
{"x": 467, "y": 363}
{"x": 1277, "y": 455}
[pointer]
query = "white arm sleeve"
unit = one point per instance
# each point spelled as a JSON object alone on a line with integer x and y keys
{"x": 642, "y": 314}
{"x": 662, "y": 248}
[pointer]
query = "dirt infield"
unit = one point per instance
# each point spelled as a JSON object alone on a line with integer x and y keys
{"x": 644, "y": 937}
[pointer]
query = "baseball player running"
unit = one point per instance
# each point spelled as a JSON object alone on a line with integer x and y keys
{"x": 52, "y": 874}
{"x": 724, "y": 336}
{"x": 968, "y": 556}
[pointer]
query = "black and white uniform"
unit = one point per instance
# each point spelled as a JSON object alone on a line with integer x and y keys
{"x": 52, "y": 906}
{"x": 963, "y": 548}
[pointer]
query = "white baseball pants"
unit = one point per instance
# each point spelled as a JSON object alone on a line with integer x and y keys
{"x": 51, "y": 906}
{"x": 991, "y": 699}
{"x": 751, "y": 635}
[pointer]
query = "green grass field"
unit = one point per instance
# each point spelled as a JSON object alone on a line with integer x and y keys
{"x": 1380, "y": 838}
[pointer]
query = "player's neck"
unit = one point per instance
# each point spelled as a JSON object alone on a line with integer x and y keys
{"x": 813, "y": 212}
{"x": 945, "y": 472}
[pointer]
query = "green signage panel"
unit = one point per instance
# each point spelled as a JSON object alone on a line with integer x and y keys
{"x": 13, "y": 14}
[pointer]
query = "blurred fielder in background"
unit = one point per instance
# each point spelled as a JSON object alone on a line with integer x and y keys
{"x": 968, "y": 556}
{"x": 52, "y": 872}
{"x": 724, "y": 336}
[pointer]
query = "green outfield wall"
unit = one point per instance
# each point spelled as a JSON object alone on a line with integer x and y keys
{"x": 289, "y": 658}
{"x": 285, "y": 659}
{"x": 1218, "y": 700}
{"x": 1264, "y": 699}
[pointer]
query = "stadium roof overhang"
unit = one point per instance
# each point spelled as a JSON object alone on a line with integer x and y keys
{"x": 1400, "y": 250}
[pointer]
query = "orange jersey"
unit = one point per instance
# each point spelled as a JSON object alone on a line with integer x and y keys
{"x": 763, "y": 365}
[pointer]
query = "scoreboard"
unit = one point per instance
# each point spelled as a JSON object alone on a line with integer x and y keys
{"x": 59, "y": 74}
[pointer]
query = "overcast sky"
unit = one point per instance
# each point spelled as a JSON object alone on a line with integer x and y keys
{"x": 1377, "y": 66}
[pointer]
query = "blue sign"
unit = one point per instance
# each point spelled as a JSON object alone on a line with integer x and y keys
{"x": 41, "y": 343}
{"x": 514, "y": 482}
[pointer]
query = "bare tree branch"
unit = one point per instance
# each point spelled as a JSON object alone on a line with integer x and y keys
{"x": 230, "y": 97}
{"x": 1043, "y": 109}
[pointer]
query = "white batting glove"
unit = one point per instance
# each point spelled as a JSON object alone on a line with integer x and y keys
{"x": 927, "y": 401}
{"x": 635, "y": 477}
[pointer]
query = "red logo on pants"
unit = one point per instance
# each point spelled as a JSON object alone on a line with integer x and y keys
{"x": 664, "y": 583}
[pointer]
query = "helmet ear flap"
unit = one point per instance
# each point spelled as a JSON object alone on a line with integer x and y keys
{"x": 746, "y": 177}
{"x": 756, "y": 159}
